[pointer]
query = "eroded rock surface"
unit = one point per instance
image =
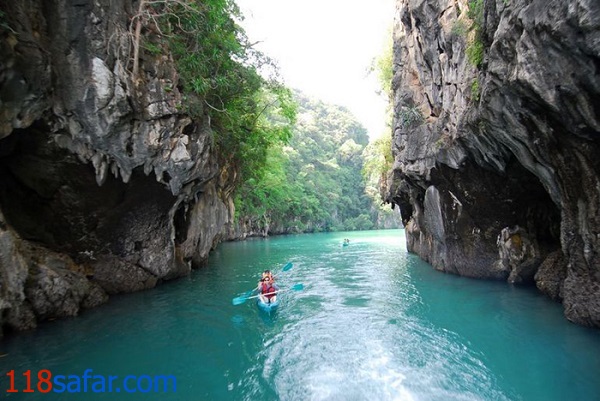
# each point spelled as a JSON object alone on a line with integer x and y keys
{"x": 106, "y": 186}
{"x": 496, "y": 168}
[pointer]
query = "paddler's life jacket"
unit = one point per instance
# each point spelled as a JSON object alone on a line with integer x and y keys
{"x": 266, "y": 289}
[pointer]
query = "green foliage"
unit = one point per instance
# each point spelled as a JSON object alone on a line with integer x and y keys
{"x": 222, "y": 76}
{"x": 361, "y": 222}
{"x": 411, "y": 116}
{"x": 378, "y": 164}
{"x": 475, "y": 46}
{"x": 383, "y": 66}
{"x": 475, "y": 53}
{"x": 475, "y": 13}
{"x": 260, "y": 197}
{"x": 475, "y": 90}
{"x": 306, "y": 182}
{"x": 459, "y": 28}
{"x": 152, "y": 48}
{"x": 314, "y": 182}
{"x": 378, "y": 158}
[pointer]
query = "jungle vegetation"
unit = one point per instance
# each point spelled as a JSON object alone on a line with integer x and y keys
{"x": 318, "y": 181}
{"x": 221, "y": 75}
{"x": 297, "y": 162}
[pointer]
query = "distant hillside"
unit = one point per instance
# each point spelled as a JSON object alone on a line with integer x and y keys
{"x": 315, "y": 183}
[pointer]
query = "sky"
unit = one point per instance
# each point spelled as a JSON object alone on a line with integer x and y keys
{"x": 325, "y": 47}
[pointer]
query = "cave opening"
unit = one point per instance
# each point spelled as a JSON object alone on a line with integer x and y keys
{"x": 492, "y": 201}
{"x": 48, "y": 196}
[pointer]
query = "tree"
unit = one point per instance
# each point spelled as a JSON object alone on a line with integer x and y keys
{"x": 220, "y": 75}
{"x": 315, "y": 180}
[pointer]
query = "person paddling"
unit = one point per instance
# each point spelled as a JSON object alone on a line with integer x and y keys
{"x": 268, "y": 289}
{"x": 269, "y": 274}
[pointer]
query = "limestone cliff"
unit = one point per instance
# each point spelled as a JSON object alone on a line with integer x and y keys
{"x": 105, "y": 185}
{"x": 496, "y": 167}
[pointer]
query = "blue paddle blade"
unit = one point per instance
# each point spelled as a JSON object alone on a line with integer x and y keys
{"x": 244, "y": 297}
{"x": 239, "y": 300}
{"x": 298, "y": 287}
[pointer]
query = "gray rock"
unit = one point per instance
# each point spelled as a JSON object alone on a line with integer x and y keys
{"x": 551, "y": 275}
{"x": 117, "y": 187}
{"x": 511, "y": 144}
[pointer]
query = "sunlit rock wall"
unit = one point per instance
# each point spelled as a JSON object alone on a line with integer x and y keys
{"x": 105, "y": 185}
{"x": 496, "y": 168}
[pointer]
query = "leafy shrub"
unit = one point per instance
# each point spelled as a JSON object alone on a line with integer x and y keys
{"x": 475, "y": 52}
{"x": 410, "y": 116}
{"x": 475, "y": 46}
{"x": 459, "y": 28}
{"x": 475, "y": 91}
{"x": 223, "y": 77}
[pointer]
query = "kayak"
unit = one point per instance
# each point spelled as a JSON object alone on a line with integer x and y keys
{"x": 268, "y": 308}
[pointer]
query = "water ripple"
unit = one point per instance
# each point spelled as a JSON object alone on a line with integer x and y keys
{"x": 372, "y": 322}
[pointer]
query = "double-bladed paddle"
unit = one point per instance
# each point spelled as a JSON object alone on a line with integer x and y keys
{"x": 241, "y": 299}
{"x": 247, "y": 294}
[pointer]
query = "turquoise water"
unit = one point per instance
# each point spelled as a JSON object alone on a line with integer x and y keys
{"x": 372, "y": 322}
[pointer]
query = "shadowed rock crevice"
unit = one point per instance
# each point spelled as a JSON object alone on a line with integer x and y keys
{"x": 50, "y": 197}
{"x": 500, "y": 177}
{"x": 462, "y": 212}
{"x": 106, "y": 185}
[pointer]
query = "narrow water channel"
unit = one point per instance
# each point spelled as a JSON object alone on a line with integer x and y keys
{"x": 371, "y": 322}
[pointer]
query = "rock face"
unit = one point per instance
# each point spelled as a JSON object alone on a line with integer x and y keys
{"x": 496, "y": 168}
{"x": 105, "y": 186}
